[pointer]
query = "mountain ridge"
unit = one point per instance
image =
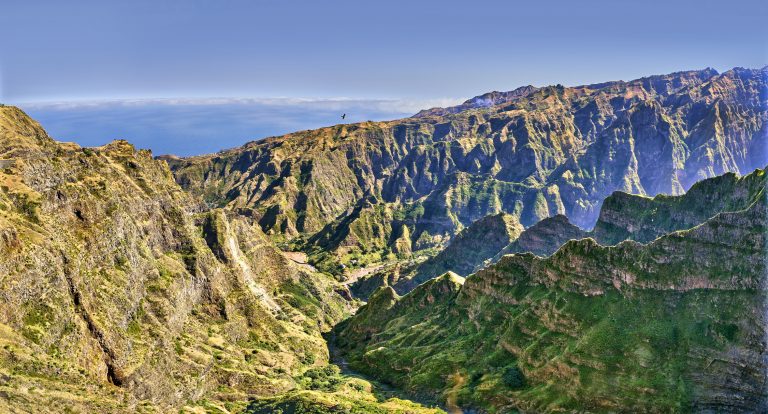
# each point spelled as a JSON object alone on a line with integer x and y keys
{"x": 134, "y": 283}
{"x": 553, "y": 150}
{"x": 122, "y": 293}
{"x": 677, "y": 324}
{"x": 622, "y": 217}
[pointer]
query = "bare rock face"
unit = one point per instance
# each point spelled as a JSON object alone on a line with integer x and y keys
{"x": 119, "y": 294}
{"x": 532, "y": 153}
{"x": 544, "y": 237}
{"x": 466, "y": 252}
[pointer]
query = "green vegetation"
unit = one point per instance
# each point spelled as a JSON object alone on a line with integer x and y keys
{"x": 347, "y": 395}
{"x": 617, "y": 331}
{"x": 327, "y": 378}
{"x": 537, "y": 153}
{"x": 626, "y": 216}
{"x": 466, "y": 252}
{"x": 513, "y": 378}
{"x": 124, "y": 293}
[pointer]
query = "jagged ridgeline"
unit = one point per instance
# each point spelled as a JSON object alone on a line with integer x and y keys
{"x": 121, "y": 294}
{"x": 360, "y": 193}
{"x": 675, "y": 325}
{"x": 622, "y": 217}
{"x": 472, "y": 247}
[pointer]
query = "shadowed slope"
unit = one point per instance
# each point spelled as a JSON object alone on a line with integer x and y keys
{"x": 547, "y": 151}
{"x": 674, "y": 325}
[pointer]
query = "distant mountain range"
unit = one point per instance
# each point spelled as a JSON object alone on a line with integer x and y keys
{"x": 597, "y": 248}
{"x": 356, "y": 192}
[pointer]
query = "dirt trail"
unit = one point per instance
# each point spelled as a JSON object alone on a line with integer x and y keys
{"x": 450, "y": 404}
{"x": 300, "y": 258}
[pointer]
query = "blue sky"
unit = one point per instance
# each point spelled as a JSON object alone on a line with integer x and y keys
{"x": 298, "y": 62}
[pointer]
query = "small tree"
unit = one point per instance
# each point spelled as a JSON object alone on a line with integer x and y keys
{"x": 513, "y": 378}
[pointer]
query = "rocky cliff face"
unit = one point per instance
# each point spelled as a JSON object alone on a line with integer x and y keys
{"x": 120, "y": 294}
{"x": 544, "y": 237}
{"x": 467, "y": 252}
{"x": 532, "y": 153}
{"x": 625, "y": 216}
{"x": 674, "y": 325}
{"x": 622, "y": 217}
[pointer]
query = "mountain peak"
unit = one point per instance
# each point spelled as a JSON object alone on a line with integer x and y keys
{"x": 547, "y": 151}
{"x": 481, "y": 101}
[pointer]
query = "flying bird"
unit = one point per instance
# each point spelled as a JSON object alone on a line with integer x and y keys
{"x": 343, "y": 116}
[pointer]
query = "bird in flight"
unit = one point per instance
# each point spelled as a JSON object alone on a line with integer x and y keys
{"x": 343, "y": 116}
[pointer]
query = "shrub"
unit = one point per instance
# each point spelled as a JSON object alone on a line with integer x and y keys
{"x": 327, "y": 378}
{"x": 513, "y": 378}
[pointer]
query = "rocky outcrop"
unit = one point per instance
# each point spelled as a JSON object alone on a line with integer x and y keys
{"x": 677, "y": 324}
{"x": 120, "y": 294}
{"x": 466, "y": 252}
{"x": 631, "y": 217}
{"x": 532, "y": 153}
{"x": 544, "y": 237}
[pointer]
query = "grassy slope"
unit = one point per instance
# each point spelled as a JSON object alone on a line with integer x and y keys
{"x": 626, "y": 216}
{"x": 676, "y": 325}
{"x": 119, "y": 295}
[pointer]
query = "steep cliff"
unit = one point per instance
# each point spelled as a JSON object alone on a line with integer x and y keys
{"x": 532, "y": 153}
{"x": 120, "y": 294}
{"x": 675, "y": 325}
{"x": 625, "y": 216}
{"x": 622, "y": 217}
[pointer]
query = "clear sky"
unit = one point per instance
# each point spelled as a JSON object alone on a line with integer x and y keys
{"x": 414, "y": 52}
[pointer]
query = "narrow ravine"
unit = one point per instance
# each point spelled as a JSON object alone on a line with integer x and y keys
{"x": 381, "y": 390}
